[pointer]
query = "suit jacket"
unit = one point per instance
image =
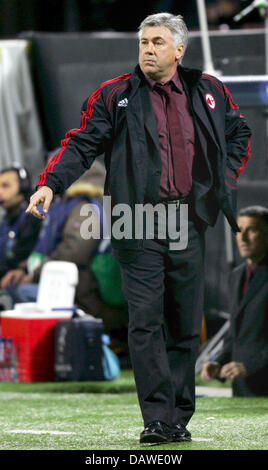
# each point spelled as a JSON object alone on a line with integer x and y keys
{"x": 118, "y": 119}
{"x": 247, "y": 339}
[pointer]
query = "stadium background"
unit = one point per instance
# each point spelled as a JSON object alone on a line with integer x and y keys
{"x": 75, "y": 45}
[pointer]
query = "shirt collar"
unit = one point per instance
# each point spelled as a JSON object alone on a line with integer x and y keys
{"x": 175, "y": 80}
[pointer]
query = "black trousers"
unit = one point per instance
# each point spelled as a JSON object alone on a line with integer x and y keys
{"x": 164, "y": 289}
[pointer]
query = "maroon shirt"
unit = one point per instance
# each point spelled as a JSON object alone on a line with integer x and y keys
{"x": 168, "y": 189}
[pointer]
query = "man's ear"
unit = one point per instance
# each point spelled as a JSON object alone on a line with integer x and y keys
{"x": 179, "y": 51}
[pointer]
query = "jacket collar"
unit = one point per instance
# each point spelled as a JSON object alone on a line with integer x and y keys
{"x": 191, "y": 77}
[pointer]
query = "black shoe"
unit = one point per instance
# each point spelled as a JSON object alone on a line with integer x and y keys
{"x": 156, "y": 432}
{"x": 179, "y": 433}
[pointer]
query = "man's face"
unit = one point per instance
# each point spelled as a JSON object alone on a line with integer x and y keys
{"x": 158, "y": 57}
{"x": 252, "y": 241}
{"x": 9, "y": 187}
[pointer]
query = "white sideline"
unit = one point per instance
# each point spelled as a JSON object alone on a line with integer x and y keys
{"x": 33, "y": 431}
{"x": 213, "y": 391}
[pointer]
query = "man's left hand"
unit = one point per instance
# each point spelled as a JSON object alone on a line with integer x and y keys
{"x": 232, "y": 370}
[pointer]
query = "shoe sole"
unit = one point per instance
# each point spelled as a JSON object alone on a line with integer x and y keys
{"x": 182, "y": 439}
{"x": 154, "y": 439}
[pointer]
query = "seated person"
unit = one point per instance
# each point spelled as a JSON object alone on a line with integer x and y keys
{"x": 60, "y": 239}
{"x": 18, "y": 230}
{"x": 243, "y": 357}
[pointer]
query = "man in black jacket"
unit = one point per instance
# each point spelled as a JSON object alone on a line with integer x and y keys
{"x": 17, "y": 235}
{"x": 172, "y": 137}
{"x": 244, "y": 355}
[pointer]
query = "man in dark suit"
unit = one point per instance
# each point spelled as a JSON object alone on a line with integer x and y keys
{"x": 244, "y": 355}
{"x": 172, "y": 137}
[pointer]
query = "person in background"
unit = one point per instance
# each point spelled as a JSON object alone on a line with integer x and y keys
{"x": 18, "y": 230}
{"x": 244, "y": 355}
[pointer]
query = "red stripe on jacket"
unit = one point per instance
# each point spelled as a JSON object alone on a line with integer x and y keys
{"x": 244, "y": 159}
{"x": 211, "y": 79}
{"x": 85, "y": 116}
{"x": 232, "y": 104}
{"x": 112, "y": 93}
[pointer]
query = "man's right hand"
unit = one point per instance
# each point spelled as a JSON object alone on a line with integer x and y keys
{"x": 44, "y": 196}
{"x": 210, "y": 370}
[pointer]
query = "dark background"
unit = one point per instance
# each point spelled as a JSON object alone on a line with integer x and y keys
{"x": 116, "y": 15}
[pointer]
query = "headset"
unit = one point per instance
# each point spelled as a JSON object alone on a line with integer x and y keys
{"x": 24, "y": 178}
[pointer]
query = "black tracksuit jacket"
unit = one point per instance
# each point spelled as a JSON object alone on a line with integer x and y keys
{"x": 118, "y": 120}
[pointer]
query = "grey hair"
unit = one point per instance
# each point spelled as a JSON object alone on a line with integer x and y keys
{"x": 174, "y": 23}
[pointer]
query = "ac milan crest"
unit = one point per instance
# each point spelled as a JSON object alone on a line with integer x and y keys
{"x": 210, "y": 100}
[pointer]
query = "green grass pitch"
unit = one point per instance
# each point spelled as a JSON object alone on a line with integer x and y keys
{"x": 106, "y": 416}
